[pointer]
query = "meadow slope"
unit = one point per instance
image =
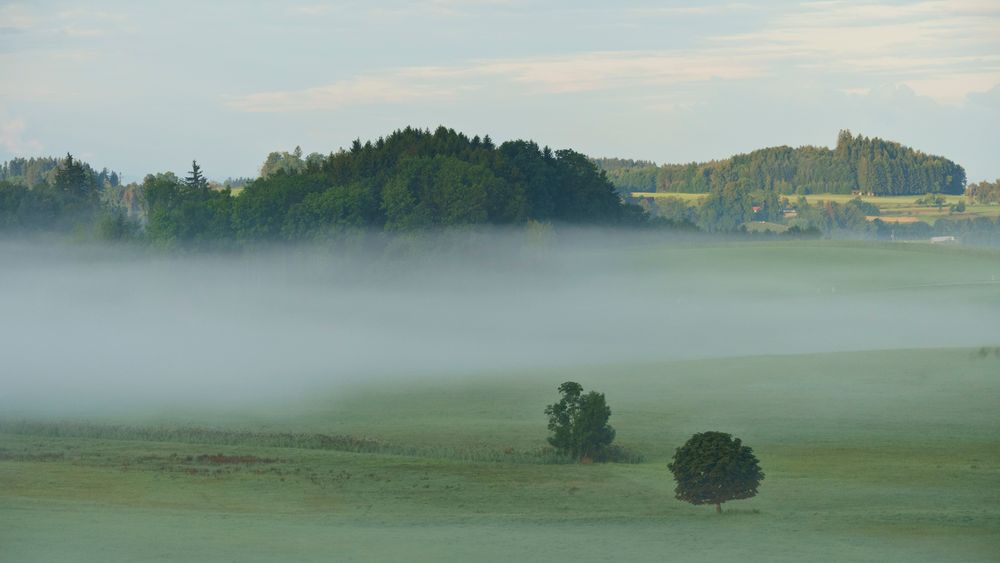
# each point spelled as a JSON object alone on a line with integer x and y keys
{"x": 889, "y": 455}
{"x": 864, "y": 376}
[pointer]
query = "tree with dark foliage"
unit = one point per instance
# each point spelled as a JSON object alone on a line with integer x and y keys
{"x": 579, "y": 422}
{"x": 714, "y": 467}
{"x": 71, "y": 179}
{"x": 196, "y": 181}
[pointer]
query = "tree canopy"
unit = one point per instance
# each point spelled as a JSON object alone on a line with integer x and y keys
{"x": 984, "y": 192}
{"x": 713, "y": 468}
{"x": 185, "y": 212}
{"x": 579, "y": 423}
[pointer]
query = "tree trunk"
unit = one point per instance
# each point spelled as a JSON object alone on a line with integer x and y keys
{"x": 718, "y": 508}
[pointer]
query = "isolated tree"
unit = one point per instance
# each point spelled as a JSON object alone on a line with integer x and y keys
{"x": 579, "y": 422}
{"x": 714, "y": 467}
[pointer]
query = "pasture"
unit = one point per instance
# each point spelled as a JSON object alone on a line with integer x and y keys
{"x": 889, "y": 455}
{"x": 871, "y": 453}
{"x": 895, "y": 209}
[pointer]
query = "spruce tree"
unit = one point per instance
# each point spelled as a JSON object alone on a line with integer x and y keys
{"x": 195, "y": 180}
{"x": 71, "y": 178}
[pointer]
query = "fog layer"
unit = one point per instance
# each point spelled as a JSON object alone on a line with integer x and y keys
{"x": 82, "y": 327}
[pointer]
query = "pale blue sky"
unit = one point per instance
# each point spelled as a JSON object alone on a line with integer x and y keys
{"x": 147, "y": 86}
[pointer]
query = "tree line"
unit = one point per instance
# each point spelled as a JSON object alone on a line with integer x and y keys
{"x": 857, "y": 164}
{"x": 38, "y": 171}
{"x": 984, "y": 192}
{"x": 416, "y": 179}
{"x": 69, "y": 195}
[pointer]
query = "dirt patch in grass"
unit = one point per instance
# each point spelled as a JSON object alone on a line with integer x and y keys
{"x": 7, "y": 455}
{"x": 892, "y": 219}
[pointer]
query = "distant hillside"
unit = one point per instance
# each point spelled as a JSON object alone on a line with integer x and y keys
{"x": 857, "y": 164}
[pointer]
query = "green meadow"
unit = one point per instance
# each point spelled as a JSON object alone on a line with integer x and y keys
{"x": 869, "y": 455}
{"x": 890, "y": 455}
{"x": 902, "y": 208}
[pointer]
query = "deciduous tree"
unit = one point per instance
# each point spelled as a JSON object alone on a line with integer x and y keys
{"x": 579, "y": 422}
{"x": 714, "y": 467}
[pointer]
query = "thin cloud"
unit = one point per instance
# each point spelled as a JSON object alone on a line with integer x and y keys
{"x": 943, "y": 50}
{"x": 315, "y": 9}
{"x": 84, "y": 32}
{"x": 585, "y": 72}
{"x": 77, "y": 24}
{"x": 856, "y": 91}
{"x": 954, "y": 88}
{"x": 16, "y": 17}
{"x": 356, "y": 91}
{"x": 459, "y": 7}
{"x": 696, "y": 10}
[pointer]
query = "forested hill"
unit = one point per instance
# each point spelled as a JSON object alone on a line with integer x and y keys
{"x": 412, "y": 179}
{"x": 857, "y": 164}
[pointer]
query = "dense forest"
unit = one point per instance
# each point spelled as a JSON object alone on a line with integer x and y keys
{"x": 411, "y": 180}
{"x": 857, "y": 164}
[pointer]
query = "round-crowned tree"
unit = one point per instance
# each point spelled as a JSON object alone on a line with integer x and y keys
{"x": 714, "y": 467}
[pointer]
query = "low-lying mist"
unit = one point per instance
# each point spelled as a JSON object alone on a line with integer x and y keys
{"x": 83, "y": 327}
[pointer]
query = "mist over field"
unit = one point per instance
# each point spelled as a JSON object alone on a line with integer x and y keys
{"x": 666, "y": 281}
{"x": 86, "y": 328}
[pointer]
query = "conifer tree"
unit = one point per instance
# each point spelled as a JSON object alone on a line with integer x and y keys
{"x": 71, "y": 178}
{"x": 196, "y": 180}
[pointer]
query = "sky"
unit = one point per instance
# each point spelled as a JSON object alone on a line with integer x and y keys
{"x": 143, "y": 87}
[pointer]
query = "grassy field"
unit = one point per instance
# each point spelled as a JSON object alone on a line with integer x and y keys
{"x": 765, "y": 226}
{"x": 876, "y": 456}
{"x": 879, "y": 455}
{"x": 893, "y": 208}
